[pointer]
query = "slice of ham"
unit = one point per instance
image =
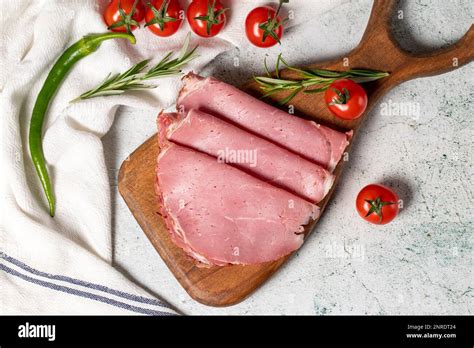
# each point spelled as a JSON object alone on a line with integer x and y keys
{"x": 220, "y": 215}
{"x": 257, "y": 156}
{"x": 319, "y": 144}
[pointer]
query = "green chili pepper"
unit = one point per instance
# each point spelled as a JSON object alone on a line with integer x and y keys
{"x": 82, "y": 48}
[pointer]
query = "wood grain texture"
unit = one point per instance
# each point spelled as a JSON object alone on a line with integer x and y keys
{"x": 223, "y": 286}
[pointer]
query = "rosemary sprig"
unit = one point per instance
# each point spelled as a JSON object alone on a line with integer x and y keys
{"x": 310, "y": 80}
{"x": 134, "y": 78}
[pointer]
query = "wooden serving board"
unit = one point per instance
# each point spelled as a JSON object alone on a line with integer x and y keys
{"x": 223, "y": 286}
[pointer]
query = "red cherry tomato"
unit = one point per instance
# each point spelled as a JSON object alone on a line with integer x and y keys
{"x": 206, "y": 17}
{"x": 116, "y": 21}
{"x": 377, "y": 204}
{"x": 263, "y": 26}
{"x": 163, "y": 18}
{"x": 346, "y": 99}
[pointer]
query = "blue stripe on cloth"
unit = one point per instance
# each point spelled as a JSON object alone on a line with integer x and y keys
{"x": 84, "y": 294}
{"x": 75, "y": 281}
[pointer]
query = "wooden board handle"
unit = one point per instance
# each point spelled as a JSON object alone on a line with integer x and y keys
{"x": 443, "y": 60}
{"x": 380, "y": 48}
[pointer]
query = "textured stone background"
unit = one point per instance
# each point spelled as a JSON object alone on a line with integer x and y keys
{"x": 422, "y": 263}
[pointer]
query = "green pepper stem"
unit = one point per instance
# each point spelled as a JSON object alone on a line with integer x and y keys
{"x": 110, "y": 35}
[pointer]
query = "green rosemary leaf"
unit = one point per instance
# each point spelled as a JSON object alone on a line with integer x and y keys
{"x": 266, "y": 67}
{"x": 327, "y": 73}
{"x": 363, "y": 79}
{"x": 290, "y": 96}
{"x": 273, "y": 91}
{"x": 316, "y": 90}
{"x": 277, "y": 67}
{"x": 364, "y": 72}
{"x": 272, "y": 80}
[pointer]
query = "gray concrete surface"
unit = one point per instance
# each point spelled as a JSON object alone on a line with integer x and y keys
{"x": 422, "y": 263}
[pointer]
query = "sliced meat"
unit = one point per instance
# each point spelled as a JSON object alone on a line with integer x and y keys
{"x": 220, "y": 215}
{"x": 322, "y": 145}
{"x": 255, "y": 155}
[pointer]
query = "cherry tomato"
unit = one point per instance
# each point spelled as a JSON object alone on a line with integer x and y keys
{"x": 117, "y": 22}
{"x": 377, "y": 204}
{"x": 206, "y": 17}
{"x": 346, "y": 99}
{"x": 263, "y": 26}
{"x": 163, "y": 18}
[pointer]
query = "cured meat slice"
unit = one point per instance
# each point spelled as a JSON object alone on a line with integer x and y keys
{"x": 321, "y": 145}
{"x": 220, "y": 215}
{"x": 255, "y": 155}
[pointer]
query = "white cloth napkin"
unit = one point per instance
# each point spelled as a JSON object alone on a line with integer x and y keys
{"x": 64, "y": 265}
